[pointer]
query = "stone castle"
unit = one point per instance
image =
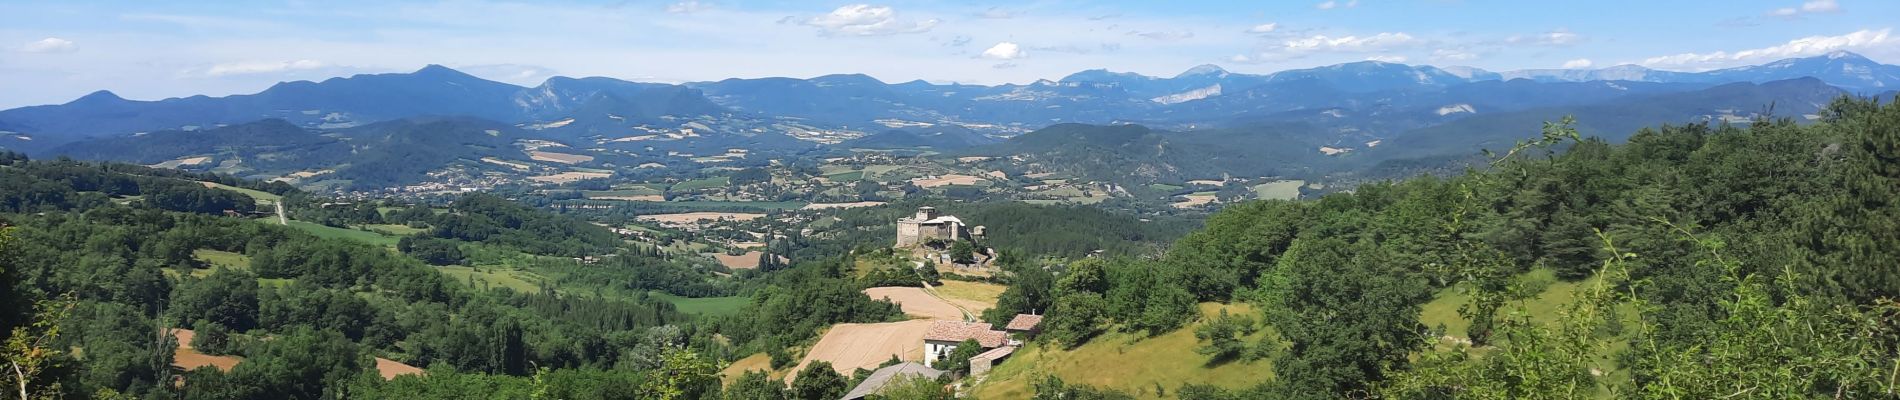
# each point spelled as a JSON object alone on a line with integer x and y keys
{"x": 927, "y": 225}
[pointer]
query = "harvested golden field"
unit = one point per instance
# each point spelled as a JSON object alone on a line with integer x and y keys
{"x": 188, "y": 358}
{"x": 1195, "y": 200}
{"x": 390, "y": 369}
{"x": 827, "y": 206}
{"x": 755, "y": 362}
{"x": 506, "y": 163}
{"x": 851, "y": 346}
{"x": 749, "y": 260}
{"x": 563, "y": 158}
{"x": 643, "y": 197}
{"x": 916, "y": 302}
{"x": 696, "y": 217}
{"x": 569, "y": 176}
{"x": 946, "y": 180}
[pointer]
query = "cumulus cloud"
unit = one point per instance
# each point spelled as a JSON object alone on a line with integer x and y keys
{"x": 688, "y": 7}
{"x": 1004, "y": 51}
{"x": 866, "y": 20}
{"x": 261, "y": 67}
{"x": 1807, "y": 46}
{"x": 1264, "y": 28}
{"x": 50, "y": 45}
{"x": 1578, "y": 63}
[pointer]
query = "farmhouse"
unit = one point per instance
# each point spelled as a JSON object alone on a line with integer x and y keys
{"x": 887, "y": 375}
{"x": 1024, "y": 326}
{"x": 944, "y": 336}
{"x": 927, "y": 225}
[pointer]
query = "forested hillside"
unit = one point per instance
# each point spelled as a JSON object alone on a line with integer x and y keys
{"x": 1716, "y": 261}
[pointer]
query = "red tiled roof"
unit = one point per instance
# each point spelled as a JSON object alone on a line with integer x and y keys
{"x": 997, "y": 353}
{"x": 1023, "y": 322}
{"x": 958, "y": 331}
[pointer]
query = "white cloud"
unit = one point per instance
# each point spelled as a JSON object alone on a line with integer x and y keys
{"x": 50, "y": 45}
{"x": 1807, "y": 46}
{"x": 688, "y": 7}
{"x": 867, "y": 20}
{"x": 1452, "y": 55}
{"x": 1349, "y": 43}
{"x": 1558, "y": 37}
{"x": 1264, "y": 28}
{"x": 1166, "y": 36}
{"x": 1386, "y": 58}
{"x": 1808, "y": 7}
{"x": 1004, "y": 51}
{"x": 1820, "y": 6}
{"x": 261, "y": 67}
{"x": 1331, "y": 4}
{"x": 1578, "y": 63}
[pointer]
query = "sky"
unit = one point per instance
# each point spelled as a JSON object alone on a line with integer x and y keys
{"x": 53, "y": 52}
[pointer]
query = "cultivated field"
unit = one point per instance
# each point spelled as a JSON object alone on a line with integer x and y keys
{"x": 696, "y": 217}
{"x": 755, "y": 362}
{"x": 976, "y": 296}
{"x": 749, "y": 260}
{"x": 1195, "y": 200}
{"x": 947, "y": 180}
{"x": 569, "y": 176}
{"x": 390, "y": 369}
{"x": 1280, "y": 190}
{"x": 827, "y": 206}
{"x": 851, "y": 346}
{"x": 563, "y": 158}
{"x": 916, "y": 302}
{"x": 188, "y": 358}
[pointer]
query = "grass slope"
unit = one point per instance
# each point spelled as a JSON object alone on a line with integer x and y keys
{"x": 1126, "y": 362}
{"x": 323, "y": 231}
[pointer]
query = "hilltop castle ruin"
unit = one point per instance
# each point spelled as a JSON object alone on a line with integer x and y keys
{"x": 927, "y": 225}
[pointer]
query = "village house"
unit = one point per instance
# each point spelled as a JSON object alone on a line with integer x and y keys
{"x": 885, "y": 376}
{"x": 1023, "y": 327}
{"x": 943, "y": 337}
{"x": 927, "y": 225}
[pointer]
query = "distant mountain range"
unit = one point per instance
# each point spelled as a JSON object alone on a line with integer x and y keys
{"x": 1341, "y": 111}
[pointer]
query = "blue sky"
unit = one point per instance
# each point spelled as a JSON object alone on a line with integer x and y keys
{"x": 52, "y": 52}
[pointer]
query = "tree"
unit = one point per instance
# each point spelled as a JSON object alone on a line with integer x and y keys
{"x": 912, "y": 387}
{"x": 755, "y": 385}
{"x": 30, "y": 352}
{"x": 818, "y": 382}
{"x": 682, "y": 375}
{"x": 962, "y": 252}
{"x": 1223, "y": 336}
{"x": 211, "y": 338}
{"x": 1347, "y": 316}
{"x": 958, "y": 362}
